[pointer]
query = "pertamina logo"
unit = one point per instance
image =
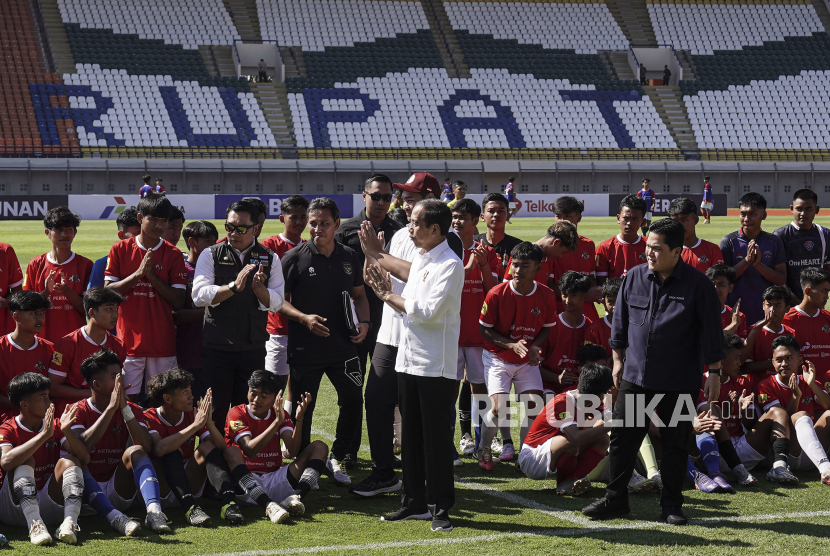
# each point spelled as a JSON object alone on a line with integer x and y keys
{"x": 118, "y": 208}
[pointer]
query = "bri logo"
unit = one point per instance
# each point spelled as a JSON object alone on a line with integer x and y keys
{"x": 117, "y": 209}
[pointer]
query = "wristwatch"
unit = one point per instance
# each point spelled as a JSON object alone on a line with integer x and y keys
{"x": 714, "y": 371}
{"x": 232, "y": 287}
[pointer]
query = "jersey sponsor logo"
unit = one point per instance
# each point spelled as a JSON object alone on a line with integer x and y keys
{"x": 484, "y": 309}
{"x": 347, "y": 268}
{"x": 677, "y": 298}
{"x": 237, "y": 425}
{"x": 809, "y": 245}
{"x": 311, "y": 271}
{"x": 57, "y": 358}
{"x": 826, "y": 389}
{"x": 763, "y": 398}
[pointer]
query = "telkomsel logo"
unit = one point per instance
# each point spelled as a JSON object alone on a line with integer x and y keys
{"x": 117, "y": 208}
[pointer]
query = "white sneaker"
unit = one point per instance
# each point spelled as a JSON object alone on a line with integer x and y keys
{"x": 467, "y": 445}
{"x": 337, "y": 473}
{"x": 294, "y": 505}
{"x": 276, "y": 513}
{"x": 126, "y": 526}
{"x": 66, "y": 532}
{"x": 496, "y": 445}
{"x": 38, "y": 534}
{"x": 638, "y": 483}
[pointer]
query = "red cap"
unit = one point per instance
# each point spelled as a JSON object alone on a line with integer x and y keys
{"x": 421, "y": 183}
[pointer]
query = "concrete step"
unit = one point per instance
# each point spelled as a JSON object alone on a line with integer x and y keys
{"x": 56, "y": 33}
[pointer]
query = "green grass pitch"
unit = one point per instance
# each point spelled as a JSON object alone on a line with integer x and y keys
{"x": 496, "y": 513}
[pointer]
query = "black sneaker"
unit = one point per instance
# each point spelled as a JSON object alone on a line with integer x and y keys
{"x": 673, "y": 516}
{"x": 232, "y": 514}
{"x": 348, "y": 462}
{"x": 407, "y": 513}
{"x": 196, "y": 516}
{"x": 374, "y": 485}
{"x": 441, "y": 524}
{"x": 606, "y": 508}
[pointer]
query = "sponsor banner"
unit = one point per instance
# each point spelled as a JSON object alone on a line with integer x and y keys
{"x": 346, "y": 203}
{"x": 541, "y": 204}
{"x": 29, "y": 207}
{"x": 663, "y": 200}
{"x": 108, "y": 207}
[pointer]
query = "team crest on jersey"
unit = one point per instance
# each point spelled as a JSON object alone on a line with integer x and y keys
{"x": 51, "y": 444}
{"x": 57, "y": 358}
{"x": 237, "y": 425}
{"x": 484, "y": 309}
{"x": 311, "y": 271}
{"x": 767, "y": 254}
{"x": 825, "y": 328}
{"x": 347, "y": 268}
{"x": 641, "y": 256}
{"x": 158, "y": 267}
{"x": 585, "y": 256}
{"x": 763, "y": 398}
{"x": 808, "y": 245}
{"x": 117, "y": 429}
{"x": 75, "y": 279}
{"x": 704, "y": 259}
{"x": 40, "y": 366}
{"x": 535, "y": 311}
{"x": 808, "y": 401}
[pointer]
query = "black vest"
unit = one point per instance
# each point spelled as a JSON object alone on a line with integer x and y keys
{"x": 237, "y": 324}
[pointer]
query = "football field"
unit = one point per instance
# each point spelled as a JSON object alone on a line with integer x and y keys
{"x": 495, "y": 513}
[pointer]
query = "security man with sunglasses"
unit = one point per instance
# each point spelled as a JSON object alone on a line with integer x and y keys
{"x": 237, "y": 281}
{"x": 377, "y": 194}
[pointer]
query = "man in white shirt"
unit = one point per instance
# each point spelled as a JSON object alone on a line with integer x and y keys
{"x": 426, "y": 361}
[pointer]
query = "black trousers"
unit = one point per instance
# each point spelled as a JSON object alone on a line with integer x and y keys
{"x": 347, "y": 380}
{"x": 626, "y": 441}
{"x": 227, "y": 373}
{"x": 427, "y": 413}
{"x": 381, "y": 398}
{"x": 365, "y": 349}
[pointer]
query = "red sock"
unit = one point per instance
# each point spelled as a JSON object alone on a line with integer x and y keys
{"x": 565, "y": 467}
{"x": 588, "y": 459}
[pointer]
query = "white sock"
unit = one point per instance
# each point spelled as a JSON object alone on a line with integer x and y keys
{"x": 24, "y": 489}
{"x": 779, "y": 463}
{"x": 809, "y": 442}
{"x": 488, "y": 429}
{"x": 154, "y": 507}
{"x": 73, "y": 491}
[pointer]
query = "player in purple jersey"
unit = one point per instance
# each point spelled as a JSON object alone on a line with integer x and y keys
{"x": 708, "y": 201}
{"x": 647, "y": 194}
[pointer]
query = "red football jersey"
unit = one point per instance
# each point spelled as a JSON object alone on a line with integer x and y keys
{"x": 13, "y": 434}
{"x": 582, "y": 260}
{"x": 772, "y": 391}
{"x": 558, "y": 414}
{"x": 72, "y": 350}
{"x": 703, "y": 255}
{"x": 15, "y": 360}
{"x": 562, "y": 346}
{"x": 729, "y": 408}
{"x": 599, "y": 333}
{"x": 278, "y": 324}
{"x": 106, "y": 455}
{"x": 762, "y": 351}
{"x": 62, "y": 318}
{"x": 726, "y": 320}
{"x": 146, "y": 323}
{"x": 11, "y": 276}
{"x": 517, "y": 316}
{"x": 542, "y": 277}
{"x": 813, "y": 334}
{"x": 615, "y": 257}
{"x": 472, "y": 297}
{"x": 241, "y": 422}
{"x": 157, "y": 424}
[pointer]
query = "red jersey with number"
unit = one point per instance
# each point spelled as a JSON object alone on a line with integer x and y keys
{"x": 106, "y": 455}
{"x": 11, "y": 276}
{"x": 279, "y": 244}
{"x": 542, "y": 277}
{"x": 813, "y": 334}
{"x": 13, "y": 434}
{"x": 726, "y": 320}
{"x": 517, "y": 316}
{"x": 616, "y": 257}
{"x": 733, "y": 387}
{"x": 156, "y": 423}
{"x": 14, "y": 360}
{"x": 762, "y": 351}
{"x": 772, "y": 391}
{"x": 241, "y": 422}
{"x": 562, "y": 346}
{"x": 472, "y": 296}
{"x": 599, "y": 333}
{"x": 558, "y": 414}
{"x": 703, "y": 255}
{"x": 582, "y": 260}
{"x": 61, "y": 318}
{"x": 146, "y": 318}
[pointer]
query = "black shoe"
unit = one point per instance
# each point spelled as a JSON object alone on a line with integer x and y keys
{"x": 348, "y": 462}
{"x": 606, "y": 508}
{"x": 374, "y": 485}
{"x": 407, "y": 513}
{"x": 232, "y": 514}
{"x": 441, "y": 524}
{"x": 196, "y": 516}
{"x": 673, "y": 516}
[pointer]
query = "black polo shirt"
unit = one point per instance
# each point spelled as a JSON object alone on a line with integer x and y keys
{"x": 314, "y": 284}
{"x": 502, "y": 248}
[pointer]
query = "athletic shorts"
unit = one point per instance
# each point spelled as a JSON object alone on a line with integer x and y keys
{"x": 648, "y": 216}
{"x": 749, "y": 457}
{"x": 801, "y": 462}
{"x": 535, "y": 462}
{"x": 137, "y": 369}
{"x": 275, "y": 484}
{"x": 120, "y": 504}
{"x": 170, "y": 501}
{"x": 469, "y": 358}
{"x": 501, "y": 374}
{"x": 511, "y": 205}
{"x": 706, "y": 205}
{"x": 12, "y": 514}
{"x": 276, "y": 355}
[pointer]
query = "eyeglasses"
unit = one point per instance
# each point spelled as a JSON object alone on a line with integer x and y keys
{"x": 241, "y": 230}
{"x": 377, "y": 197}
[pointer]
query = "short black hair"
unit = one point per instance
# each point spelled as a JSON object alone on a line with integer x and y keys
{"x": 177, "y": 214}
{"x": 722, "y": 270}
{"x": 634, "y": 202}
{"x": 97, "y": 363}
{"x": 28, "y": 301}
{"x": 595, "y": 379}
{"x": 433, "y": 211}
{"x": 146, "y": 178}
{"x": 787, "y": 341}
{"x": 495, "y": 198}
{"x": 565, "y": 232}
{"x": 290, "y": 203}
{"x": 324, "y": 203}
{"x": 244, "y": 206}
{"x": 97, "y": 296}
{"x": 380, "y": 178}
{"x": 155, "y": 205}
{"x": 166, "y": 383}
{"x": 567, "y": 205}
{"x": 23, "y": 386}
{"x": 774, "y": 293}
{"x": 591, "y": 353}
{"x": 573, "y": 281}
{"x": 753, "y": 199}
{"x": 265, "y": 381}
{"x": 458, "y": 182}
{"x": 61, "y": 217}
{"x": 732, "y": 341}
{"x": 199, "y": 229}
{"x": 671, "y": 230}
{"x": 526, "y": 251}
{"x": 127, "y": 219}
{"x": 611, "y": 287}
{"x": 467, "y": 206}
{"x": 813, "y": 277}
{"x": 399, "y": 216}
{"x": 260, "y": 205}
{"x": 682, "y": 205}
{"x": 805, "y": 195}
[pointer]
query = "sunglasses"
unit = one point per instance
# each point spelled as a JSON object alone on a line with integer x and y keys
{"x": 377, "y": 197}
{"x": 241, "y": 230}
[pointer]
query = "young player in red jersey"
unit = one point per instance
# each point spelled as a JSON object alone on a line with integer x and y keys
{"x": 559, "y": 368}
{"x": 624, "y": 251}
{"x": 175, "y": 223}
{"x": 11, "y": 281}
{"x": 515, "y": 322}
{"x": 697, "y": 252}
{"x": 708, "y": 203}
{"x": 256, "y": 429}
{"x": 22, "y": 351}
{"x": 561, "y": 238}
{"x": 758, "y": 350}
{"x": 61, "y": 275}
{"x": 564, "y": 442}
{"x": 806, "y": 403}
{"x": 294, "y": 218}
{"x": 599, "y": 332}
{"x": 731, "y": 318}
{"x": 41, "y": 486}
{"x": 811, "y": 322}
{"x": 68, "y": 384}
{"x": 150, "y": 274}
